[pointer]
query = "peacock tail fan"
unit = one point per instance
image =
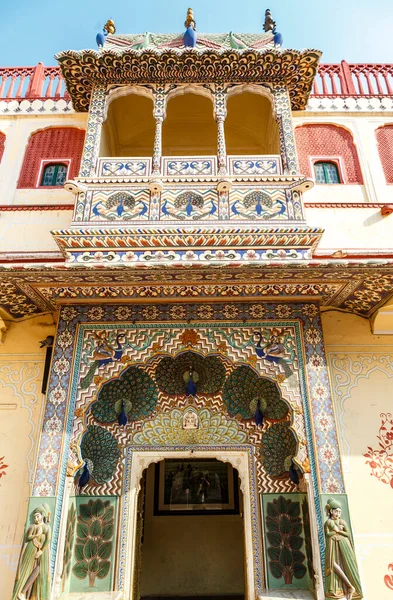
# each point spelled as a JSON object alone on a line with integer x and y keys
{"x": 244, "y": 387}
{"x": 88, "y": 378}
{"x": 100, "y": 446}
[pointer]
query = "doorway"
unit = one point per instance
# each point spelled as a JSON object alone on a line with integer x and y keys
{"x": 137, "y": 461}
{"x": 192, "y": 536}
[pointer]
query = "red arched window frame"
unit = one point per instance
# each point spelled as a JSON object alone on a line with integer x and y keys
{"x": 330, "y": 143}
{"x": 53, "y": 145}
{"x": 2, "y": 144}
{"x": 384, "y": 137}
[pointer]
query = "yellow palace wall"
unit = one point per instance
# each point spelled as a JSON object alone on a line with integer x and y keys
{"x": 21, "y": 408}
{"x": 361, "y": 373}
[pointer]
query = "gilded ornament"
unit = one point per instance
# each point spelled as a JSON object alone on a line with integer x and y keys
{"x": 110, "y": 27}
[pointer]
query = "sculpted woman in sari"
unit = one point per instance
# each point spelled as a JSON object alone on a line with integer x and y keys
{"x": 33, "y": 575}
{"x": 342, "y": 575}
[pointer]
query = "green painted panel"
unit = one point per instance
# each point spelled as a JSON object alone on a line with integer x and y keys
{"x": 94, "y": 545}
{"x": 69, "y": 544}
{"x": 288, "y": 557}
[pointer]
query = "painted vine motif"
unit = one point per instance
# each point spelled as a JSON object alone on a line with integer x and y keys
{"x": 381, "y": 460}
{"x": 284, "y": 528}
{"x": 68, "y": 544}
{"x": 388, "y": 579}
{"x": 94, "y": 541}
{"x": 3, "y": 467}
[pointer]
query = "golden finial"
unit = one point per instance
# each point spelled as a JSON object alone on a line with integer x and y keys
{"x": 110, "y": 27}
{"x": 189, "y": 22}
{"x": 269, "y": 24}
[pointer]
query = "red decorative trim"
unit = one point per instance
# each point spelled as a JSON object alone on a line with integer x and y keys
{"x": 48, "y": 145}
{"x": 33, "y": 207}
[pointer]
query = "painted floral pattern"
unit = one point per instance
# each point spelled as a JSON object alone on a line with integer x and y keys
{"x": 381, "y": 460}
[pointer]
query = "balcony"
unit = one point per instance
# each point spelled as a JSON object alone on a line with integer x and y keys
{"x": 181, "y": 168}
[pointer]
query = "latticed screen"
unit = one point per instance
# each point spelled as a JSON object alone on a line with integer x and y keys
{"x": 54, "y": 175}
{"x": 326, "y": 172}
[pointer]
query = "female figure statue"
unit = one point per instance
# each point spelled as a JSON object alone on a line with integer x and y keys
{"x": 33, "y": 574}
{"x": 342, "y": 575}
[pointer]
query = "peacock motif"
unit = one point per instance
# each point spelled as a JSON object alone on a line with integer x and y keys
{"x": 173, "y": 374}
{"x": 244, "y": 388}
{"x": 278, "y": 448}
{"x": 133, "y": 393}
{"x": 104, "y": 354}
{"x": 100, "y": 453}
{"x": 273, "y": 351}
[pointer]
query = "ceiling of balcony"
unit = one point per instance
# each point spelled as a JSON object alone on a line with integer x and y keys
{"x": 189, "y": 128}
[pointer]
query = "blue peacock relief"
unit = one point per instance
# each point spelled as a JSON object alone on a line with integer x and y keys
{"x": 120, "y": 205}
{"x": 259, "y": 205}
{"x": 131, "y": 396}
{"x": 189, "y": 206}
{"x": 100, "y": 453}
{"x": 189, "y": 373}
{"x": 245, "y": 393}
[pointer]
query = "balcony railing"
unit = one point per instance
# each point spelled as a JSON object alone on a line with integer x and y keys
{"x": 32, "y": 83}
{"x": 341, "y": 79}
{"x": 198, "y": 167}
{"x": 346, "y": 80}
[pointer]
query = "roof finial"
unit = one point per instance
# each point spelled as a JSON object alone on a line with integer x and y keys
{"x": 190, "y": 36}
{"x": 189, "y": 22}
{"x": 109, "y": 27}
{"x": 269, "y": 24}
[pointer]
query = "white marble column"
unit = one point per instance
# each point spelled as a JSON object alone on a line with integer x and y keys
{"x": 220, "y": 113}
{"x": 159, "y": 113}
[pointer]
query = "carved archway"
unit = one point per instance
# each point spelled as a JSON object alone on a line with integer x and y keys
{"x": 242, "y": 459}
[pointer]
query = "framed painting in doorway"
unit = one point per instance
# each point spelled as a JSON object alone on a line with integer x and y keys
{"x": 195, "y": 487}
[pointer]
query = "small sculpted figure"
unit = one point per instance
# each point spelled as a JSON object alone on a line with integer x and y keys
{"x": 33, "y": 573}
{"x": 342, "y": 575}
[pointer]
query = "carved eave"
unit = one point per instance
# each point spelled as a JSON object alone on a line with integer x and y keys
{"x": 292, "y": 68}
{"x": 149, "y": 246}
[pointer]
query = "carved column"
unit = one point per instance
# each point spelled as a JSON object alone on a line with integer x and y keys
{"x": 93, "y": 134}
{"x": 220, "y": 113}
{"x": 287, "y": 139}
{"x": 159, "y": 114}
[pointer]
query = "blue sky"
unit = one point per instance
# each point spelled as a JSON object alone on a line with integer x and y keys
{"x": 354, "y": 30}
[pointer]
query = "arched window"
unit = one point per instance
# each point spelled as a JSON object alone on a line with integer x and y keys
{"x": 384, "y": 137}
{"x": 326, "y": 172}
{"x": 45, "y": 147}
{"x": 327, "y": 142}
{"x": 2, "y": 144}
{"x": 54, "y": 175}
